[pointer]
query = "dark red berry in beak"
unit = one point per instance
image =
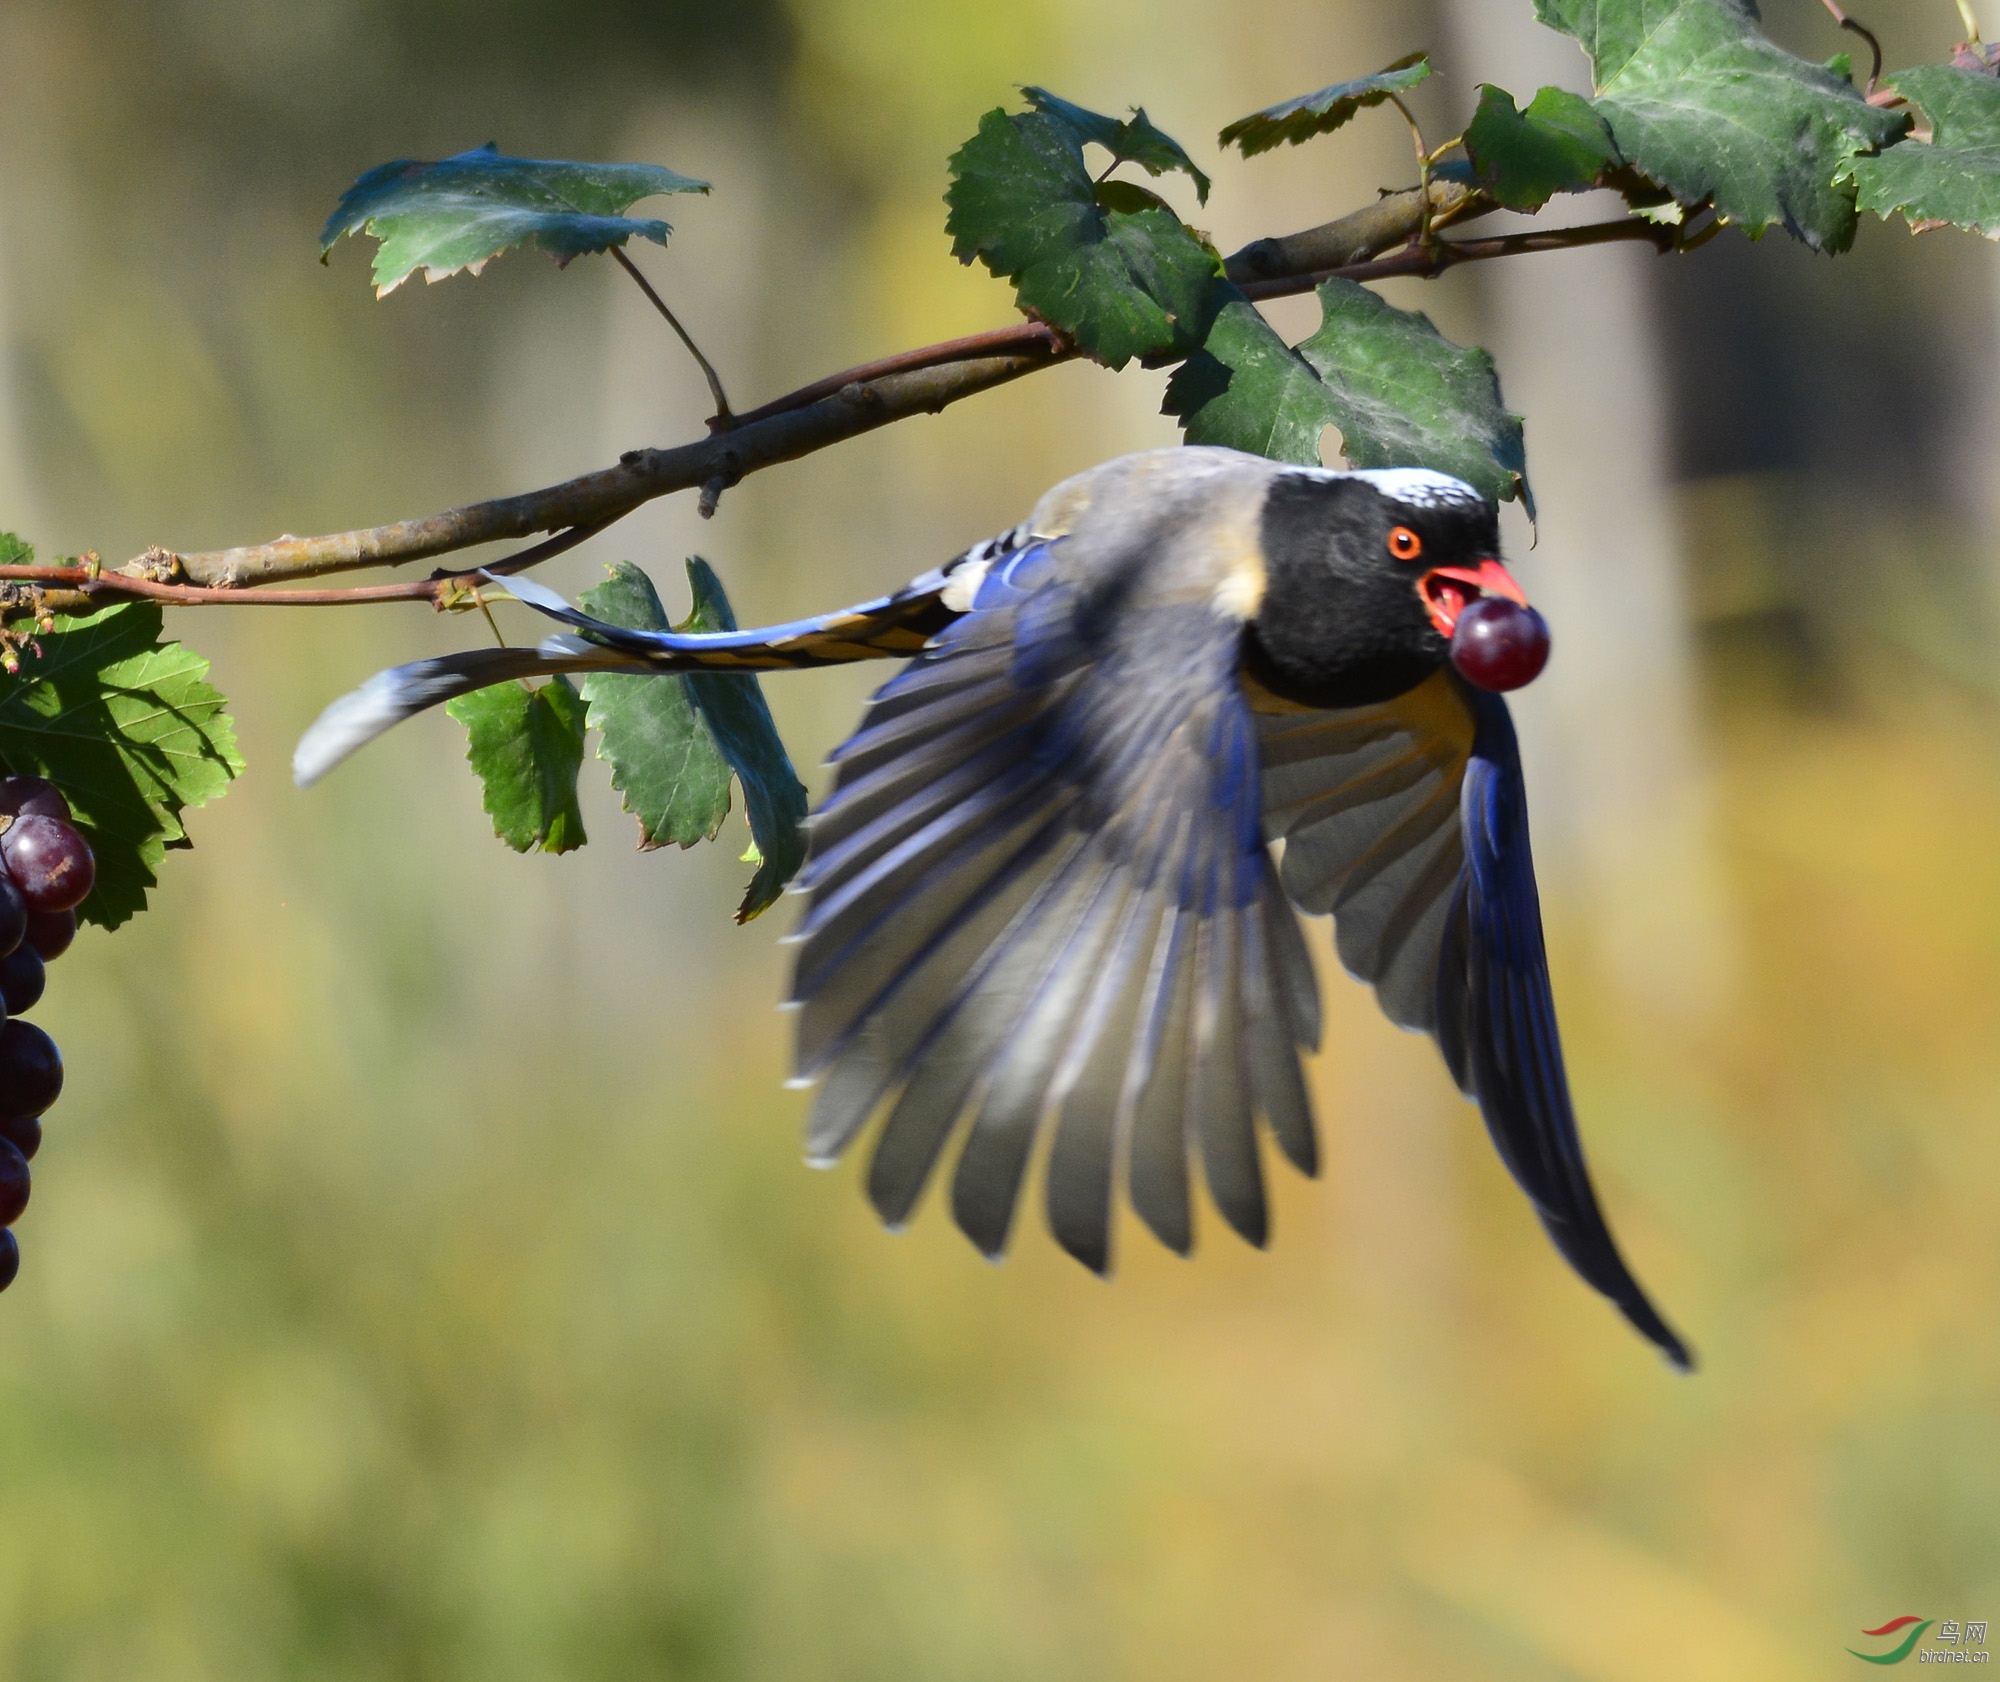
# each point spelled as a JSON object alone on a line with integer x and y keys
{"x": 1499, "y": 644}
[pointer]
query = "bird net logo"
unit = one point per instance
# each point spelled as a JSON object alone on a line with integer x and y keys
{"x": 1953, "y": 1642}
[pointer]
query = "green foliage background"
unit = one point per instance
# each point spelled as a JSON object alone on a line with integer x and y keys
{"x": 422, "y": 1280}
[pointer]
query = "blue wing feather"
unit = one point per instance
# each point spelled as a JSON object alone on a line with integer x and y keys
{"x": 1497, "y": 1023}
{"x": 1123, "y": 983}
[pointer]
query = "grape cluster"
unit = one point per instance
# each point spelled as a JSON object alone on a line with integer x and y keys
{"x": 46, "y": 871}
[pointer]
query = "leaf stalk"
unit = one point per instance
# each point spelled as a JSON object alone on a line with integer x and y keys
{"x": 723, "y": 417}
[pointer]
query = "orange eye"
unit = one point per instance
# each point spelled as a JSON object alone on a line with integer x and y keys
{"x": 1404, "y": 544}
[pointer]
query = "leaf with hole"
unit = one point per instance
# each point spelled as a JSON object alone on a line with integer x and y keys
{"x": 1700, "y": 100}
{"x": 1956, "y": 177}
{"x": 1523, "y": 158}
{"x": 128, "y": 727}
{"x": 1108, "y": 264}
{"x": 1297, "y": 120}
{"x": 1131, "y": 139}
{"x": 1403, "y": 395}
{"x": 462, "y": 211}
{"x": 526, "y": 747}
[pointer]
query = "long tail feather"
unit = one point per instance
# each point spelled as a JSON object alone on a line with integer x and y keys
{"x": 890, "y": 627}
{"x": 401, "y": 692}
{"x": 893, "y": 627}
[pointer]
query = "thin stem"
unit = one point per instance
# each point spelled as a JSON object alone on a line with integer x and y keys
{"x": 998, "y": 341}
{"x": 1971, "y": 22}
{"x": 1443, "y": 149}
{"x": 714, "y": 379}
{"x": 1426, "y": 262}
{"x": 1423, "y": 169}
{"x": 1695, "y": 241}
{"x": 1868, "y": 35}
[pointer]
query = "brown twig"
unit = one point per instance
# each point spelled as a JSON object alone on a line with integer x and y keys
{"x": 78, "y": 588}
{"x": 1023, "y": 336}
{"x": 1866, "y": 34}
{"x": 826, "y": 412}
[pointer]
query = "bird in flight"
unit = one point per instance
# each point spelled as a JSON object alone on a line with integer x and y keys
{"x": 1053, "y": 896}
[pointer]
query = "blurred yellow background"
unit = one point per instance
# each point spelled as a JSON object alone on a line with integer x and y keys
{"x": 422, "y": 1281}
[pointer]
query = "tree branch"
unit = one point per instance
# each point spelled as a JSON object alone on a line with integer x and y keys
{"x": 843, "y": 406}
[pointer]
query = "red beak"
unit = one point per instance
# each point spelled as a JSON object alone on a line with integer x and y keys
{"x": 1446, "y": 590}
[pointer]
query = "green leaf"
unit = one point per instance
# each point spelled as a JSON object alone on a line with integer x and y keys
{"x": 1133, "y": 140}
{"x": 526, "y": 748}
{"x": 1956, "y": 178}
{"x": 1298, "y": 120}
{"x": 663, "y": 758}
{"x": 15, "y": 551}
{"x": 1109, "y": 265}
{"x": 128, "y": 728}
{"x": 460, "y": 212}
{"x": 1522, "y": 159}
{"x": 1247, "y": 389}
{"x": 1403, "y": 395}
{"x": 733, "y": 706}
{"x": 1701, "y": 101}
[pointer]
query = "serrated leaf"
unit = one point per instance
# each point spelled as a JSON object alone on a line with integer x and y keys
{"x": 733, "y": 706}
{"x": 526, "y": 747}
{"x": 462, "y": 211}
{"x": 1522, "y": 159}
{"x": 1956, "y": 178}
{"x": 1403, "y": 395}
{"x": 1247, "y": 389}
{"x": 1701, "y": 101}
{"x": 1110, "y": 265}
{"x": 1129, "y": 140}
{"x": 15, "y": 551}
{"x": 130, "y": 730}
{"x": 1298, "y": 120}
{"x": 663, "y": 758}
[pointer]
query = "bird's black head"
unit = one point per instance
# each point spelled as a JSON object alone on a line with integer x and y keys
{"x": 1365, "y": 575}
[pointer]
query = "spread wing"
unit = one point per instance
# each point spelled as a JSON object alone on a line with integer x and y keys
{"x": 1409, "y": 823}
{"x": 1042, "y": 907}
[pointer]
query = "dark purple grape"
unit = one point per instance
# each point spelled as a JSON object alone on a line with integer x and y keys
{"x": 31, "y": 1070}
{"x": 13, "y": 914}
{"x": 22, "y": 978}
{"x": 10, "y": 1259}
{"x": 21, "y": 796}
{"x": 1498, "y": 644}
{"x": 50, "y": 862}
{"x": 15, "y": 1183}
{"x": 50, "y": 932}
{"x": 24, "y": 1135}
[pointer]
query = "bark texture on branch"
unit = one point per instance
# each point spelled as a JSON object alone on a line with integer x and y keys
{"x": 826, "y": 412}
